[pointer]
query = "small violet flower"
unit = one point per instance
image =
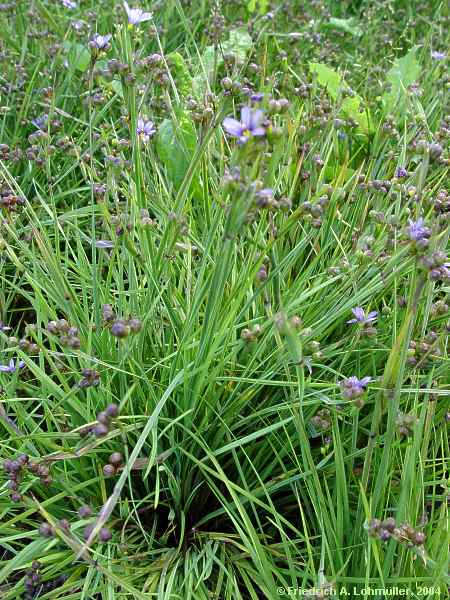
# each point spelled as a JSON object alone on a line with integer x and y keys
{"x": 257, "y": 97}
{"x": 354, "y": 387}
{"x": 401, "y": 172}
{"x": 264, "y": 197}
{"x": 145, "y": 129}
{"x": 361, "y": 317}
{"x": 100, "y": 42}
{"x": 69, "y": 4}
{"x": 441, "y": 273}
{"x": 40, "y": 122}
{"x": 136, "y": 15}
{"x": 247, "y": 127}
{"x": 78, "y": 25}
{"x": 417, "y": 232}
{"x": 12, "y": 366}
{"x": 438, "y": 55}
{"x": 265, "y": 193}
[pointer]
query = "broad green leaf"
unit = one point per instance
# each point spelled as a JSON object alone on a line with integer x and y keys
{"x": 348, "y": 25}
{"x": 333, "y": 172}
{"x": 200, "y": 81}
{"x": 403, "y": 73}
{"x": 175, "y": 146}
{"x": 208, "y": 58}
{"x": 116, "y": 85}
{"x": 238, "y": 43}
{"x": 101, "y": 64}
{"x": 328, "y": 77}
{"x": 78, "y": 56}
{"x": 335, "y": 84}
{"x": 261, "y": 5}
{"x": 199, "y": 86}
{"x": 180, "y": 73}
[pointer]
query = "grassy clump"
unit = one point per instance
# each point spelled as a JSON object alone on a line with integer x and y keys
{"x": 224, "y": 299}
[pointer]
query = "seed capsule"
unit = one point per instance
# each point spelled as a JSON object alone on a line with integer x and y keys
{"x": 87, "y": 531}
{"x": 100, "y": 430}
{"x": 46, "y": 530}
{"x": 120, "y": 329}
{"x": 112, "y": 410}
{"x": 116, "y": 458}
{"x": 109, "y": 470}
{"x": 84, "y": 511}
{"x": 104, "y": 535}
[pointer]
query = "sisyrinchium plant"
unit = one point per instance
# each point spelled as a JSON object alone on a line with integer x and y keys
{"x": 224, "y": 299}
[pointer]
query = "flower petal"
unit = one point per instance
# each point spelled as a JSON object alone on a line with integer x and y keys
{"x": 232, "y": 127}
{"x": 149, "y": 128}
{"x": 266, "y": 192}
{"x": 259, "y": 131}
{"x": 256, "y": 116}
{"x": 359, "y": 313}
{"x": 246, "y": 116}
{"x": 146, "y": 16}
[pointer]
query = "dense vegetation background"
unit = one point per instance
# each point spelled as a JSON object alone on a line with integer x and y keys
{"x": 224, "y": 299}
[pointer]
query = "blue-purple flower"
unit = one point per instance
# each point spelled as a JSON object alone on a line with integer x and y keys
{"x": 401, "y": 173}
{"x": 264, "y": 197}
{"x": 78, "y": 25}
{"x": 136, "y": 15}
{"x": 417, "y": 232}
{"x": 438, "y": 55}
{"x": 361, "y": 317}
{"x": 69, "y": 4}
{"x": 41, "y": 122}
{"x": 250, "y": 125}
{"x": 257, "y": 97}
{"x": 100, "y": 42}
{"x": 441, "y": 273}
{"x": 145, "y": 129}
{"x": 353, "y": 387}
{"x": 12, "y": 366}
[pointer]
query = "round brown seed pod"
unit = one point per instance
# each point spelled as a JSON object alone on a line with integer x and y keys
{"x": 100, "y": 430}
{"x": 116, "y": 458}
{"x": 109, "y": 470}
{"x": 85, "y": 511}
{"x": 112, "y": 410}
{"x": 104, "y": 535}
{"x": 102, "y": 417}
{"x": 46, "y": 530}
{"x": 87, "y": 531}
